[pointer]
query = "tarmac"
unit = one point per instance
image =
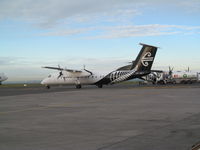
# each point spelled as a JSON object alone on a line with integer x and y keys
{"x": 121, "y": 117}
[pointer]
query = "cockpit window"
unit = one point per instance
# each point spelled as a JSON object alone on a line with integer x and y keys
{"x": 49, "y": 76}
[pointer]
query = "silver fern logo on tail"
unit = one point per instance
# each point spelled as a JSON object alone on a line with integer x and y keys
{"x": 146, "y": 58}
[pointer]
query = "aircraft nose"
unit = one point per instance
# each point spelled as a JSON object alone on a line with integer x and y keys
{"x": 43, "y": 81}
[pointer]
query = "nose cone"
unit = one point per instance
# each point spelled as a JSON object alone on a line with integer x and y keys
{"x": 6, "y": 77}
{"x": 43, "y": 82}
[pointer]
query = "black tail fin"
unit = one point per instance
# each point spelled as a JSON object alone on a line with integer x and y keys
{"x": 145, "y": 58}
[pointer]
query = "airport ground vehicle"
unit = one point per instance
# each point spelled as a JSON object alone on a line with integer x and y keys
{"x": 172, "y": 77}
{"x": 185, "y": 77}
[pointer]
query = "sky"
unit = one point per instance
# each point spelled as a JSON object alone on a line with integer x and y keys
{"x": 100, "y": 34}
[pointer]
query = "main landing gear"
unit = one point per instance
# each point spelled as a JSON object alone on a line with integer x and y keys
{"x": 78, "y": 83}
{"x": 47, "y": 87}
{"x": 78, "y": 86}
{"x": 100, "y": 86}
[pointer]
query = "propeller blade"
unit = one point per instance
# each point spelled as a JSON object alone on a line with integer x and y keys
{"x": 170, "y": 71}
{"x": 60, "y": 74}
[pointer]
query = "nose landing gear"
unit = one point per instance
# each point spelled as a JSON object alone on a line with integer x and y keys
{"x": 47, "y": 87}
{"x": 78, "y": 86}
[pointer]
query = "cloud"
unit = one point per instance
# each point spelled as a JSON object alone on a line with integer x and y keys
{"x": 146, "y": 30}
{"x": 8, "y": 61}
{"x": 21, "y": 69}
{"x": 21, "y": 62}
{"x": 50, "y": 13}
{"x": 136, "y": 30}
{"x": 69, "y": 62}
{"x": 192, "y": 6}
{"x": 67, "y": 32}
{"x": 104, "y": 19}
{"x": 128, "y": 31}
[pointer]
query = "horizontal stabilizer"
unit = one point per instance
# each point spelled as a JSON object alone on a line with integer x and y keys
{"x": 147, "y": 45}
{"x": 159, "y": 71}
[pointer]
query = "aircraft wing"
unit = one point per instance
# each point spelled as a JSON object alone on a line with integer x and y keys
{"x": 61, "y": 69}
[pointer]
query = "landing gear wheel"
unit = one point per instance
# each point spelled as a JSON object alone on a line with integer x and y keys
{"x": 78, "y": 86}
{"x": 190, "y": 82}
{"x": 173, "y": 82}
{"x": 47, "y": 86}
{"x": 100, "y": 86}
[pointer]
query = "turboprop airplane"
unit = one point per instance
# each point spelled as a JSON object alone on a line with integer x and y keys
{"x": 2, "y": 78}
{"x": 138, "y": 68}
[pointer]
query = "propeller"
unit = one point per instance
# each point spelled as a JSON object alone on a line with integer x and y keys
{"x": 60, "y": 73}
{"x": 170, "y": 72}
{"x": 188, "y": 69}
{"x": 87, "y": 70}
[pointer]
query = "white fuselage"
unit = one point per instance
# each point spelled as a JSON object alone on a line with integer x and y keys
{"x": 3, "y": 77}
{"x": 67, "y": 78}
{"x": 85, "y": 78}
